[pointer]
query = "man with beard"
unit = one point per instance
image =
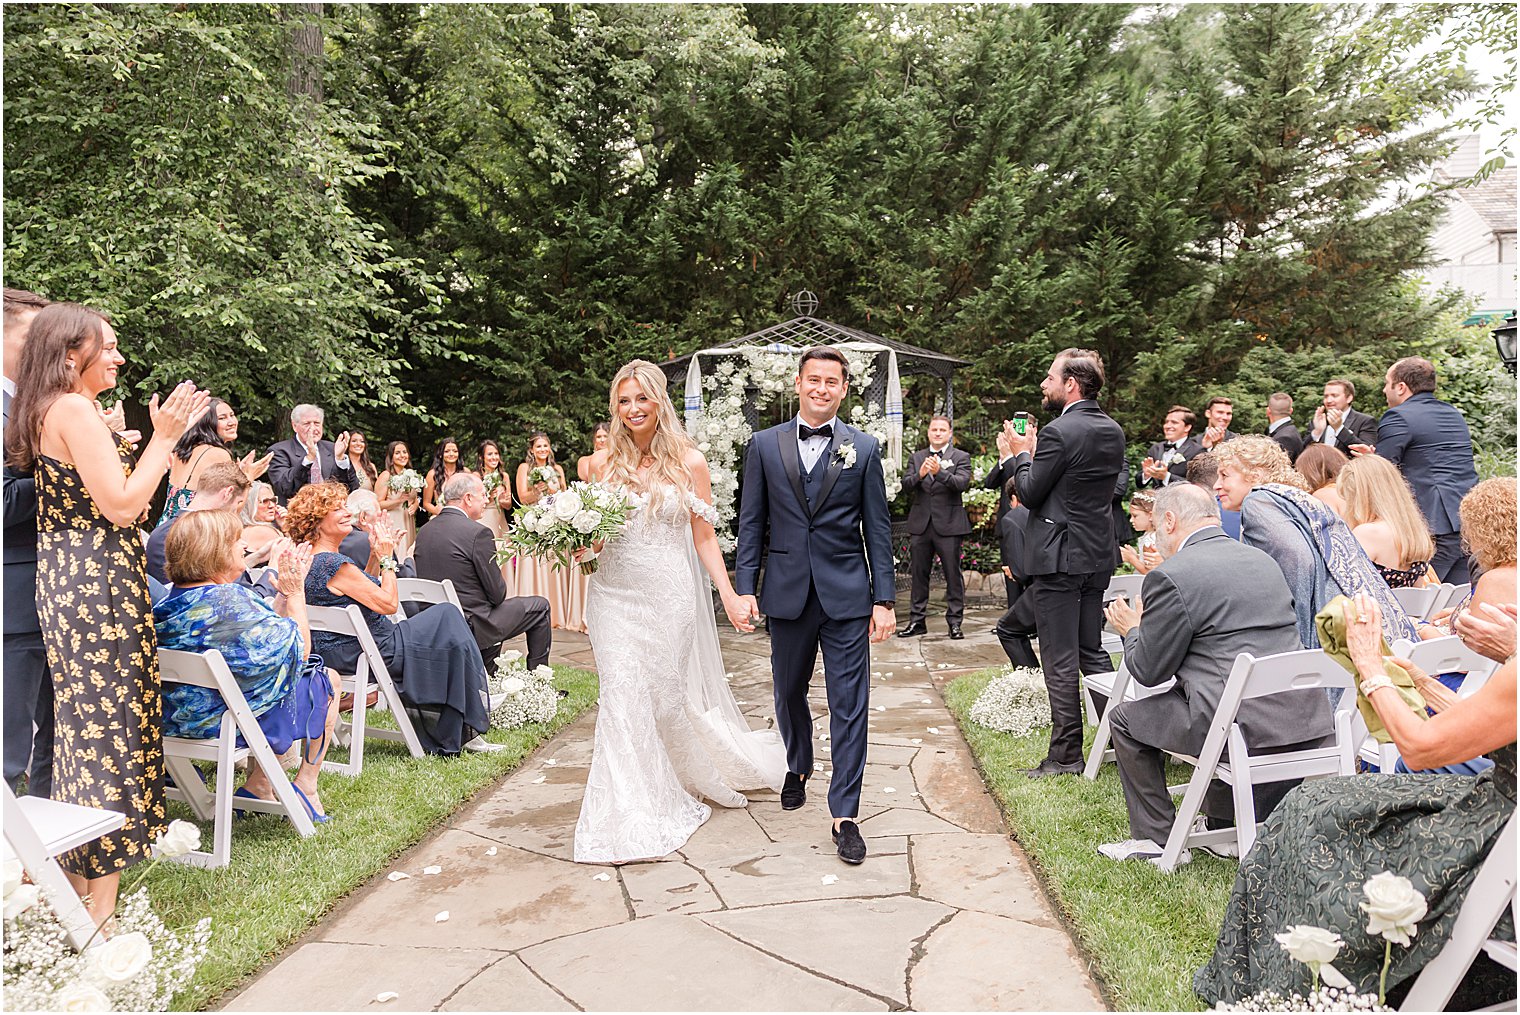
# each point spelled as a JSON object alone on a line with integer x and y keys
{"x": 1065, "y": 475}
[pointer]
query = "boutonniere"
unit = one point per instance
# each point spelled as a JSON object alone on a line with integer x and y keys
{"x": 846, "y": 454}
{"x": 1172, "y": 457}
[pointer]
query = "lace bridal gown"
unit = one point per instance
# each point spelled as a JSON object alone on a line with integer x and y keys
{"x": 669, "y": 732}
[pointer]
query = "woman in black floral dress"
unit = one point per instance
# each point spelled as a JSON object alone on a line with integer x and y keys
{"x": 92, "y": 589}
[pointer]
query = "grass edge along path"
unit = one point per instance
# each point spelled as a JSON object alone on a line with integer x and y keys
{"x": 279, "y": 885}
{"x": 1145, "y": 932}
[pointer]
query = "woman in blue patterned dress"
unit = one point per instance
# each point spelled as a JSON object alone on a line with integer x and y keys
{"x": 266, "y": 646}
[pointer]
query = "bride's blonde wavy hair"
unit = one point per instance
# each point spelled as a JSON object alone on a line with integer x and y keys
{"x": 670, "y": 442}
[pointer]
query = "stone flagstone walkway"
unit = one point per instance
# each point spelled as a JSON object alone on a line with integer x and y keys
{"x": 755, "y": 913}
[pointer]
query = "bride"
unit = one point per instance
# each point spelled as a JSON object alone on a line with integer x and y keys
{"x": 669, "y": 732}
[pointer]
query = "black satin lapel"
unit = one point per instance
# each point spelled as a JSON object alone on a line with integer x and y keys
{"x": 835, "y": 467}
{"x": 791, "y": 461}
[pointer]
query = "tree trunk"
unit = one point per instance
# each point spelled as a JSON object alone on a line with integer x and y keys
{"x": 305, "y": 51}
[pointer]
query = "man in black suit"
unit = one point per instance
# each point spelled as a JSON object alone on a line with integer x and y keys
{"x": 937, "y": 476}
{"x": 1210, "y": 599}
{"x": 1018, "y": 623}
{"x": 454, "y": 545}
{"x": 1217, "y": 415}
{"x": 306, "y": 458}
{"x": 1429, "y": 441}
{"x": 28, "y": 697}
{"x": 1065, "y": 475}
{"x": 1339, "y": 425}
{"x": 1280, "y": 424}
{"x": 998, "y": 476}
{"x": 1166, "y": 460}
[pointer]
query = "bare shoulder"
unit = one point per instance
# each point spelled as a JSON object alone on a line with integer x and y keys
{"x": 70, "y": 409}
{"x": 596, "y": 464}
{"x": 694, "y": 459}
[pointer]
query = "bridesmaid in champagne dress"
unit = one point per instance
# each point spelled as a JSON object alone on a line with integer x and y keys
{"x": 536, "y": 576}
{"x": 446, "y": 465}
{"x": 573, "y": 581}
{"x": 400, "y": 507}
{"x": 358, "y": 453}
{"x": 498, "y": 501}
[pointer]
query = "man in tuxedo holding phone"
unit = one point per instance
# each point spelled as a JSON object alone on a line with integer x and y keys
{"x": 1064, "y": 475}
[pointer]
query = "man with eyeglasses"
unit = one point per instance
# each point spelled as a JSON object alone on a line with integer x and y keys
{"x": 306, "y": 458}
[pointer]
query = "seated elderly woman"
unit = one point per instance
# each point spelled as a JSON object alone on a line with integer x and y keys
{"x": 432, "y": 657}
{"x": 1385, "y": 519}
{"x": 261, "y": 522}
{"x": 1318, "y": 555}
{"x": 266, "y": 647}
{"x": 1329, "y": 836}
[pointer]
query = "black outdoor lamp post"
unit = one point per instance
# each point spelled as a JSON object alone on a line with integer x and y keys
{"x": 1504, "y": 339}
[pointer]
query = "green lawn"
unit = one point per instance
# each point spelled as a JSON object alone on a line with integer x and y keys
{"x": 1145, "y": 931}
{"x": 279, "y": 884}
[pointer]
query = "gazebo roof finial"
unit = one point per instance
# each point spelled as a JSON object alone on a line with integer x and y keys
{"x": 804, "y": 303}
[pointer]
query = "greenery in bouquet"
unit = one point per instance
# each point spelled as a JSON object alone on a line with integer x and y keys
{"x": 574, "y": 519}
{"x": 493, "y": 482}
{"x": 530, "y": 694}
{"x": 1015, "y": 701}
{"x": 545, "y": 474}
{"x": 140, "y": 967}
{"x": 406, "y": 481}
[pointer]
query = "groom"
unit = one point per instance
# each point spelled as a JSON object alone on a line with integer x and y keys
{"x": 812, "y": 486}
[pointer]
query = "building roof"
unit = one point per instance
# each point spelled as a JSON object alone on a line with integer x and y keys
{"x": 1493, "y": 199}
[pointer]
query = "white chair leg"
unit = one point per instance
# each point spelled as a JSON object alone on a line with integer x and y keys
{"x": 225, "y": 777}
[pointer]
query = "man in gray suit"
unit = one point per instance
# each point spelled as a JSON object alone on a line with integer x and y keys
{"x": 1210, "y": 599}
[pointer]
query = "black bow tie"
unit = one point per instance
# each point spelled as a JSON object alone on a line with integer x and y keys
{"x": 805, "y": 432}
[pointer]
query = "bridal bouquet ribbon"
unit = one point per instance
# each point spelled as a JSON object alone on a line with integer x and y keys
{"x": 406, "y": 481}
{"x": 571, "y": 520}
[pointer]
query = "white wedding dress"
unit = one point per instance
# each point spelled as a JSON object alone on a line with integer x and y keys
{"x": 669, "y": 732}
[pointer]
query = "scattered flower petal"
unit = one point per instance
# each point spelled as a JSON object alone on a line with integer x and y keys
{"x": 551, "y": 763}
{"x": 385, "y": 996}
{"x": 881, "y": 708}
{"x": 435, "y": 869}
{"x": 398, "y": 876}
{"x": 491, "y": 851}
{"x": 538, "y": 780}
{"x": 441, "y": 917}
{"x": 604, "y": 876}
{"x": 934, "y": 730}
{"x": 925, "y": 701}
{"x": 888, "y": 789}
{"x": 915, "y": 740}
{"x": 830, "y": 879}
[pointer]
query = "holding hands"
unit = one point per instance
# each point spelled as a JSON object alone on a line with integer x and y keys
{"x": 931, "y": 466}
{"x": 116, "y": 419}
{"x": 1153, "y": 469}
{"x": 742, "y": 612}
{"x": 1212, "y": 436}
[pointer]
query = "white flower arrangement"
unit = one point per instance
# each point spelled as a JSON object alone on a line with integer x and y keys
{"x": 980, "y": 496}
{"x": 1393, "y": 906}
{"x": 545, "y": 474}
{"x": 406, "y": 481}
{"x": 139, "y": 968}
{"x": 493, "y": 482}
{"x": 531, "y": 694}
{"x": 1015, "y": 701}
{"x": 568, "y": 521}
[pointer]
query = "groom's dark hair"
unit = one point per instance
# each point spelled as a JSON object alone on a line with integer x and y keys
{"x": 825, "y": 353}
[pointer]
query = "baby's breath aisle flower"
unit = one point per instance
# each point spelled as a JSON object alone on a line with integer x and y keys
{"x": 1015, "y": 701}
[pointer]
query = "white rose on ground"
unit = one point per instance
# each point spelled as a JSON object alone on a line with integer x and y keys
{"x": 1310, "y": 945}
{"x": 180, "y": 838}
{"x": 511, "y": 655}
{"x": 567, "y": 505}
{"x": 81, "y": 997}
{"x": 543, "y": 672}
{"x": 586, "y": 521}
{"x": 24, "y": 897}
{"x": 122, "y": 957}
{"x": 512, "y": 685}
{"x": 12, "y": 876}
{"x": 1393, "y": 907}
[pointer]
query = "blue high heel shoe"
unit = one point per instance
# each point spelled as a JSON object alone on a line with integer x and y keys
{"x": 311, "y": 812}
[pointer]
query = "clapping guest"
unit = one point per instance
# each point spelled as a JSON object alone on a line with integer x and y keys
{"x": 1337, "y": 424}
{"x": 445, "y": 465}
{"x": 1166, "y": 460}
{"x": 101, "y": 649}
{"x": 400, "y": 506}
{"x": 1143, "y": 555}
{"x": 1387, "y": 522}
{"x": 937, "y": 477}
{"x": 1219, "y": 412}
{"x": 599, "y": 438}
{"x": 306, "y": 458}
{"x": 260, "y": 515}
{"x": 1317, "y": 553}
{"x": 358, "y": 453}
{"x": 1321, "y": 465}
{"x": 265, "y": 645}
{"x": 539, "y": 476}
{"x": 207, "y": 443}
{"x": 432, "y": 656}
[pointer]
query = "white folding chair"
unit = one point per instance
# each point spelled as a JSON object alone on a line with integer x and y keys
{"x": 1491, "y": 893}
{"x": 1451, "y": 595}
{"x": 1438, "y": 655}
{"x": 1418, "y": 603}
{"x": 257, "y": 573}
{"x": 37, "y": 830}
{"x": 424, "y": 590}
{"x": 1123, "y": 688}
{"x": 1128, "y": 586}
{"x": 370, "y": 674}
{"x": 1250, "y": 678}
{"x": 209, "y": 670}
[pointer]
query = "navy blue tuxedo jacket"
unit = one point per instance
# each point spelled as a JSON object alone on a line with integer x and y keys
{"x": 1429, "y": 441}
{"x": 842, "y": 545}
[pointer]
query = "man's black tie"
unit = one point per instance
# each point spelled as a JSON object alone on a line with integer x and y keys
{"x": 804, "y": 431}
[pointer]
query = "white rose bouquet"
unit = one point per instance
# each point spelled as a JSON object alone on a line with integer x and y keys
{"x": 530, "y": 694}
{"x": 493, "y": 482}
{"x": 545, "y": 474}
{"x": 571, "y": 520}
{"x": 406, "y": 481}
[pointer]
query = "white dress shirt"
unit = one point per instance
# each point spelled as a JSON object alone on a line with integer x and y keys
{"x": 811, "y": 448}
